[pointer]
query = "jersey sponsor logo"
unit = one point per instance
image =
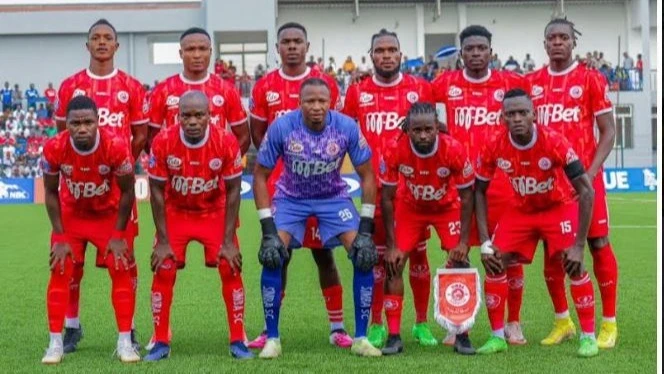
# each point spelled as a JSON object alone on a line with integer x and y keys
{"x": 314, "y": 168}
{"x": 366, "y": 98}
{"x": 217, "y": 100}
{"x": 571, "y": 156}
{"x": 457, "y": 294}
{"x": 67, "y": 169}
{"x": 108, "y": 118}
{"x": 406, "y": 170}
{"x": 554, "y": 113}
{"x": 443, "y": 172}
{"x": 454, "y": 91}
{"x": 215, "y": 164}
{"x": 193, "y": 185}
{"x": 425, "y": 192}
{"x": 271, "y": 97}
{"x": 467, "y": 169}
{"x": 475, "y": 116}
{"x": 576, "y": 92}
{"x": 123, "y": 97}
{"x": 525, "y": 186}
{"x": 78, "y": 92}
{"x": 544, "y": 163}
{"x": 499, "y": 95}
{"x": 104, "y": 169}
{"x": 173, "y": 162}
{"x": 504, "y": 164}
{"x": 536, "y": 91}
{"x": 172, "y": 100}
{"x": 412, "y": 97}
{"x": 377, "y": 122}
{"x": 294, "y": 146}
{"x": 87, "y": 189}
{"x": 332, "y": 149}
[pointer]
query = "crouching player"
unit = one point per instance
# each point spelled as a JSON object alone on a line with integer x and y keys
{"x": 540, "y": 163}
{"x": 312, "y": 143}
{"x": 188, "y": 164}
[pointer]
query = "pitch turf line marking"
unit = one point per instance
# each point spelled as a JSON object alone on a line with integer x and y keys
{"x": 633, "y": 226}
{"x": 622, "y": 199}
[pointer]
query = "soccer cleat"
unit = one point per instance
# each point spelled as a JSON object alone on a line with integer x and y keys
{"x": 423, "y": 335}
{"x": 341, "y": 339}
{"x": 362, "y": 347}
{"x": 151, "y": 343}
{"x": 134, "y": 341}
{"x": 513, "y": 334}
{"x": 462, "y": 345}
{"x": 394, "y": 346}
{"x": 563, "y": 329}
{"x": 449, "y": 339}
{"x": 71, "y": 338}
{"x": 240, "y": 351}
{"x": 493, "y": 345}
{"x": 126, "y": 352}
{"x": 160, "y": 351}
{"x": 53, "y": 355}
{"x": 377, "y": 335}
{"x": 259, "y": 342}
{"x": 608, "y": 334}
{"x": 587, "y": 347}
{"x": 272, "y": 348}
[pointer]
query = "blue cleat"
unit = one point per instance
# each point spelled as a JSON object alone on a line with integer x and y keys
{"x": 240, "y": 351}
{"x": 71, "y": 338}
{"x": 158, "y": 352}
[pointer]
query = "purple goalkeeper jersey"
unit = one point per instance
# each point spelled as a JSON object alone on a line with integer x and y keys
{"x": 312, "y": 160}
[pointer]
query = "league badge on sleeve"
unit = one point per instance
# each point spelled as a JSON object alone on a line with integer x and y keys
{"x": 456, "y": 298}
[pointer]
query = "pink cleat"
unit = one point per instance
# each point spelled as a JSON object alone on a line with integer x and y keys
{"x": 341, "y": 339}
{"x": 259, "y": 342}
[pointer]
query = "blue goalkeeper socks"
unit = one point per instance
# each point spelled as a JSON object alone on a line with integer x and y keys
{"x": 271, "y": 291}
{"x": 363, "y": 283}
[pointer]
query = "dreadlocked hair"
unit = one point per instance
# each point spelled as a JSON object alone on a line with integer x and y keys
{"x": 563, "y": 21}
{"x": 416, "y": 109}
{"x": 381, "y": 33}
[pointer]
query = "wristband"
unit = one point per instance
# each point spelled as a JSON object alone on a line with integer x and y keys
{"x": 119, "y": 234}
{"x": 366, "y": 226}
{"x": 264, "y": 213}
{"x": 268, "y": 227}
{"x": 58, "y": 238}
{"x": 368, "y": 210}
{"x": 486, "y": 249}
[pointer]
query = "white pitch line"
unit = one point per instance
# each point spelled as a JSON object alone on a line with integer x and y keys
{"x": 633, "y": 226}
{"x": 622, "y": 199}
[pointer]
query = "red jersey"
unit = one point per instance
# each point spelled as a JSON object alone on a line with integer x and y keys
{"x": 536, "y": 170}
{"x": 120, "y": 99}
{"x": 51, "y": 94}
{"x": 225, "y": 103}
{"x": 87, "y": 183}
{"x": 428, "y": 183}
{"x": 569, "y": 101}
{"x": 195, "y": 173}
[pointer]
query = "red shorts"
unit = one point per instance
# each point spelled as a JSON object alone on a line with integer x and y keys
{"x": 495, "y": 210}
{"x": 81, "y": 230}
{"x": 599, "y": 224}
{"x": 206, "y": 229}
{"x": 519, "y": 232}
{"x": 410, "y": 227}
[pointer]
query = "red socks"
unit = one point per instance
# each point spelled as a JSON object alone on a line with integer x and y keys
{"x": 606, "y": 273}
{"x": 515, "y": 292}
{"x": 584, "y": 301}
{"x": 334, "y": 303}
{"x": 554, "y": 275}
{"x": 57, "y": 296}
{"x": 162, "y": 297}
{"x": 495, "y": 293}
{"x": 393, "y": 308}
{"x": 378, "y": 291}
{"x": 75, "y": 291}
{"x": 420, "y": 283}
{"x": 232, "y": 290}
{"x": 122, "y": 294}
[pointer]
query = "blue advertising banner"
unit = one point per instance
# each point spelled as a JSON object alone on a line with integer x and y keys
{"x": 630, "y": 180}
{"x": 17, "y": 191}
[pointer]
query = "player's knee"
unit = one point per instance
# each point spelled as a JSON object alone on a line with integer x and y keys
{"x": 598, "y": 243}
{"x": 166, "y": 272}
{"x": 379, "y": 273}
{"x": 225, "y": 270}
{"x": 67, "y": 272}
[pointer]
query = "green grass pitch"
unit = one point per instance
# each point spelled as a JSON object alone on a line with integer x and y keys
{"x": 199, "y": 323}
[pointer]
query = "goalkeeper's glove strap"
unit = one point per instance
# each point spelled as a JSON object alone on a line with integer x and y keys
{"x": 268, "y": 226}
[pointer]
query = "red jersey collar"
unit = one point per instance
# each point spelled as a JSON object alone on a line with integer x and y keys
{"x": 297, "y": 77}
{"x": 421, "y": 155}
{"x": 527, "y": 146}
{"x": 564, "y": 72}
{"x": 473, "y": 80}
{"x": 199, "y": 144}
{"x": 95, "y": 76}
{"x": 85, "y": 153}
{"x": 188, "y": 81}
{"x": 391, "y": 84}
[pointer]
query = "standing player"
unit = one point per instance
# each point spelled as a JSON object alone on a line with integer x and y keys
{"x": 428, "y": 167}
{"x": 570, "y": 97}
{"x": 538, "y": 162}
{"x": 274, "y": 95}
{"x": 122, "y": 109}
{"x": 473, "y": 98}
{"x": 312, "y": 143}
{"x": 379, "y": 104}
{"x": 188, "y": 164}
{"x": 93, "y": 170}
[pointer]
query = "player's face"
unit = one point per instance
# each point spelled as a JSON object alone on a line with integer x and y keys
{"x": 195, "y": 52}
{"x": 194, "y": 117}
{"x": 292, "y": 47}
{"x": 314, "y": 102}
{"x": 102, "y": 43}
{"x": 386, "y": 56}
{"x": 476, "y": 52}
{"x": 518, "y": 114}
{"x": 422, "y": 131}
{"x": 559, "y": 42}
{"x": 82, "y": 126}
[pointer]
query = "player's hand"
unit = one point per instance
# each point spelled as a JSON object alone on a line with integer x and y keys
{"x": 59, "y": 254}
{"x": 459, "y": 253}
{"x": 573, "y": 260}
{"x": 230, "y": 253}
{"x": 493, "y": 264}
{"x": 363, "y": 252}
{"x": 272, "y": 253}
{"x": 118, "y": 248}
{"x": 161, "y": 252}
{"x": 394, "y": 261}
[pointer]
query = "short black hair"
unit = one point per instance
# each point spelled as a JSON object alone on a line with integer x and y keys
{"x": 195, "y": 30}
{"x": 563, "y": 21}
{"x": 380, "y": 34}
{"x": 292, "y": 25}
{"x": 516, "y": 92}
{"x": 315, "y": 82}
{"x": 81, "y": 103}
{"x": 474, "y": 30}
{"x": 417, "y": 109}
{"x": 103, "y": 22}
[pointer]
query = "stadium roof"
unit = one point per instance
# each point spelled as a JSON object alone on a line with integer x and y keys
{"x": 339, "y": 2}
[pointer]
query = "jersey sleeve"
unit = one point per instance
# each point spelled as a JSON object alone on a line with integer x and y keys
{"x": 272, "y": 146}
{"x": 389, "y": 165}
{"x": 235, "y": 112}
{"x": 599, "y": 94}
{"x": 439, "y": 89}
{"x": 157, "y": 167}
{"x": 232, "y": 163}
{"x": 563, "y": 152}
{"x": 121, "y": 163}
{"x": 461, "y": 167}
{"x": 426, "y": 93}
{"x": 335, "y": 98}
{"x": 157, "y": 106}
{"x": 258, "y": 105}
{"x": 50, "y": 163}
{"x": 358, "y": 148}
{"x": 62, "y": 100}
{"x": 350, "y": 103}
{"x": 138, "y": 108}
{"x": 486, "y": 163}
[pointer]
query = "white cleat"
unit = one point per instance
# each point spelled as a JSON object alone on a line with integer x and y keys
{"x": 54, "y": 354}
{"x": 449, "y": 339}
{"x": 126, "y": 352}
{"x": 272, "y": 349}
{"x": 514, "y": 334}
{"x": 362, "y": 347}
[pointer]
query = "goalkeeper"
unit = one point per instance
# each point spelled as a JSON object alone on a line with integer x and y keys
{"x": 312, "y": 143}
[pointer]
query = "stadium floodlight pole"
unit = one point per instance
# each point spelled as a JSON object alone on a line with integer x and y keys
{"x": 438, "y": 10}
{"x": 357, "y": 10}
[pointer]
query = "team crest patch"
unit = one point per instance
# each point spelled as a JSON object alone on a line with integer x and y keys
{"x": 576, "y": 92}
{"x": 492, "y": 300}
{"x": 78, "y": 92}
{"x": 217, "y": 100}
{"x": 123, "y": 96}
{"x": 215, "y": 164}
{"x": 67, "y": 169}
{"x": 412, "y": 97}
{"x": 443, "y": 172}
{"x": 498, "y": 95}
{"x": 366, "y": 98}
{"x": 172, "y": 100}
{"x": 457, "y": 294}
{"x": 173, "y": 162}
{"x": 271, "y": 96}
{"x": 295, "y": 147}
{"x": 454, "y": 91}
{"x": 544, "y": 163}
{"x": 537, "y": 90}
{"x": 332, "y": 149}
{"x": 104, "y": 169}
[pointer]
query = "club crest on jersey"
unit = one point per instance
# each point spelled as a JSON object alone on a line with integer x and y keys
{"x": 406, "y": 170}
{"x": 172, "y": 100}
{"x": 78, "y": 92}
{"x": 332, "y": 149}
{"x": 67, "y": 169}
{"x": 571, "y": 156}
{"x": 454, "y": 91}
{"x": 217, "y": 100}
{"x": 215, "y": 164}
{"x": 443, "y": 172}
{"x": 412, "y": 97}
{"x": 366, "y": 98}
{"x": 544, "y": 163}
{"x": 104, "y": 169}
{"x": 576, "y": 92}
{"x": 271, "y": 96}
{"x": 294, "y": 146}
{"x": 123, "y": 96}
{"x": 498, "y": 95}
{"x": 504, "y": 164}
{"x": 536, "y": 91}
{"x": 173, "y": 162}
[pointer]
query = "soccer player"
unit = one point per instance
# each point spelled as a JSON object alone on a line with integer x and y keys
{"x": 540, "y": 163}
{"x": 379, "y": 104}
{"x": 473, "y": 98}
{"x": 312, "y": 143}
{"x": 188, "y": 164}
{"x": 421, "y": 173}
{"x": 93, "y": 170}
{"x": 122, "y": 109}
{"x": 571, "y": 98}
{"x": 274, "y": 95}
